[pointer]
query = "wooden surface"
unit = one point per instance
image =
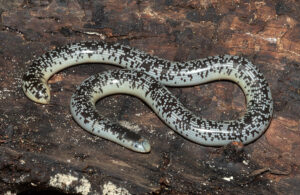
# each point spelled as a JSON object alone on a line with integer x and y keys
{"x": 43, "y": 149}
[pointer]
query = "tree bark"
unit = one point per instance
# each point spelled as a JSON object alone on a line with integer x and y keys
{"x": 42, "y": 149}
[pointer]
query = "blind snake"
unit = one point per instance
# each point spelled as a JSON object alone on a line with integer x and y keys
{"x": 144, "y": 76}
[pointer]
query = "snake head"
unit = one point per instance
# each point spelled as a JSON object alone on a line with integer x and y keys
{"x": 36, "y": 89}
{"x": 141, "y": 145}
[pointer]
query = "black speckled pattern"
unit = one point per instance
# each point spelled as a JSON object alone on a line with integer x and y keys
{"x": 168, "y": 108}
{"x": 149, "y": 88}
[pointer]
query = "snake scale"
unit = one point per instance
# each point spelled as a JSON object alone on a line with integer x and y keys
{"x": 145, "y": 76}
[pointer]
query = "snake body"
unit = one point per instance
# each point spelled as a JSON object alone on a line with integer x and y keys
{"x": 145, "y": 78}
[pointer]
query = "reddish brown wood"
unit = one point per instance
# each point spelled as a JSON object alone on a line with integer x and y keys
{"x": 42, "y": 148}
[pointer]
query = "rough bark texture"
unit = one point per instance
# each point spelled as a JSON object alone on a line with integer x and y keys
{"x": 42, "y": 149}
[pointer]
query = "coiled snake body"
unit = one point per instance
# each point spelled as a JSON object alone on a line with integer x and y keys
{"x": 145, "y": 77}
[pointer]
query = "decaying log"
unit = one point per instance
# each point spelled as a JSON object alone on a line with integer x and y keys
{"x": 42, "y": 149}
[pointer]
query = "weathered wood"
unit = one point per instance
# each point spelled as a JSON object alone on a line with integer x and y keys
{"x": 42, "y": 148}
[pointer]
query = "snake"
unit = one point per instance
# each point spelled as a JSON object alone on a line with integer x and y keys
{"x": 146, "y": 77}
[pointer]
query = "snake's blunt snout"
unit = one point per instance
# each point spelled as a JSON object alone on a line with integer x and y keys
{"x": 44, "y": 94}
{"x": 142, "y": 146}
{"x": 37, "y": 90}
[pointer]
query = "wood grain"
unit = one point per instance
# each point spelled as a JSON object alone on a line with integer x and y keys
{"x": 43, "y": 150}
